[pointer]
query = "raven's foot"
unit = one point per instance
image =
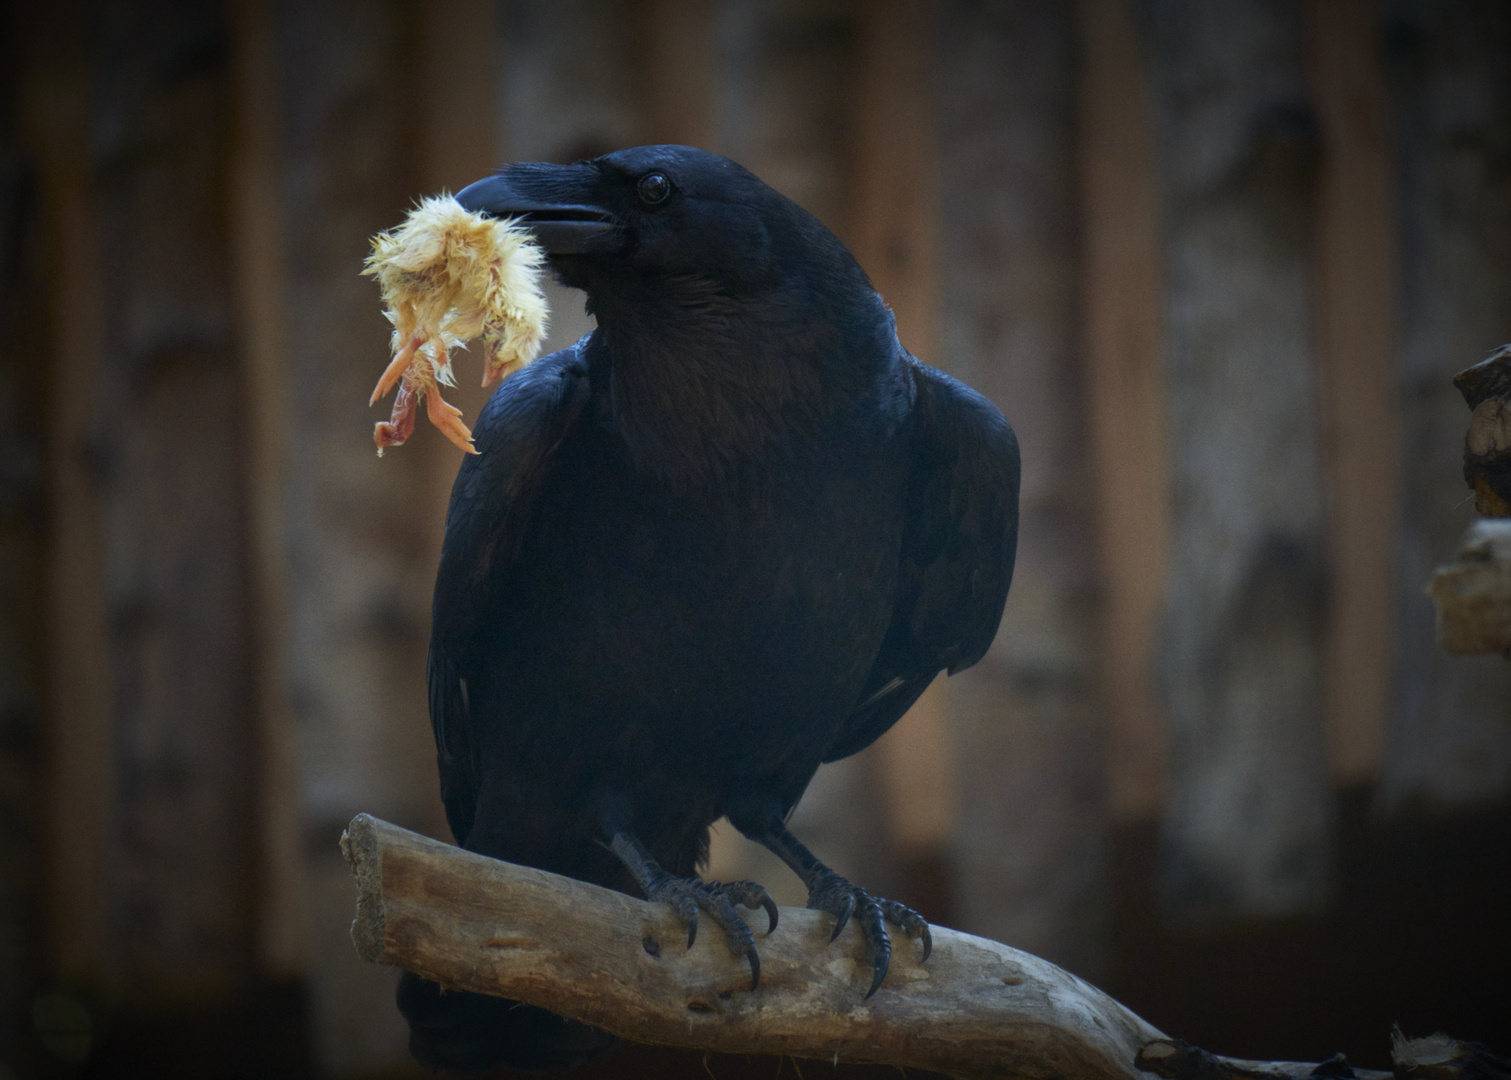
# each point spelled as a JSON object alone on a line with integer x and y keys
{"x": 843, "y": 899}
{"x": 688, "y": 896}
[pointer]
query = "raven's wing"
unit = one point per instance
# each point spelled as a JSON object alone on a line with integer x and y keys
{"x": 517, "y": 435}
{"x": 959, "y": 543}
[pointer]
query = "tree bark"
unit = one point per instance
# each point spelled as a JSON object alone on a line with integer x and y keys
{"x": 1248, "y": 828}
{"x": 1027, "y": 720}
{"x": 1473, "y": 593}
{"x": 1449, "y": 740}
{"x": 974, "y": 1009}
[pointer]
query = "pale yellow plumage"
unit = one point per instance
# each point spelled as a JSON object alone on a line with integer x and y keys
{"x": 448, "y": 276}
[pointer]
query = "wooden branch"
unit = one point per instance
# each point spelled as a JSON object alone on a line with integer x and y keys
{"x": 976, "y": 1009}
{"x": 1473, "y": 594}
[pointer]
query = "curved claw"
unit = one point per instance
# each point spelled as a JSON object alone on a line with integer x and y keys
{"x": 878, "y": 944}
{"x": 771, "y": 909}
{"x": 928, "y": 944}
{"x": 750, "y": 895}
{"x": 755, "y": 966}
{"x": 842, "y": 919}
{"x": 883, "y": 962}
{"x": 692, "y": 928}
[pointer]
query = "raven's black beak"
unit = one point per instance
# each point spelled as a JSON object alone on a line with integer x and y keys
{"x": 549, "y": 200}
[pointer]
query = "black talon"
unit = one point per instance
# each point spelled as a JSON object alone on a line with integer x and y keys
{"x": 750, "y": 895}
{"x": 884, "y": 962}
{"x": 692, "y": 928}
{"x": 755, "y": 966}
{"x": 827, "y": 891}
{"x": 770, "y": 905}
{"x": 842, "y": 918}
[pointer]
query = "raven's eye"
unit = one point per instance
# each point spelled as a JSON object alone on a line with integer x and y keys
{"x": 654, "y": 188}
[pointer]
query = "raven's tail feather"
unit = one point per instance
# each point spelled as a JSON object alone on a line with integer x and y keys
{"x": 472, "y": 1033}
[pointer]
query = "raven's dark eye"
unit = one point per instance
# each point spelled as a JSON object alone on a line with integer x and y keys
{"x": 654, "y": 189}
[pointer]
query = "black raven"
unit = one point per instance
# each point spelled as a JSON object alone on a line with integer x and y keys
{"x": 729, "y": 535}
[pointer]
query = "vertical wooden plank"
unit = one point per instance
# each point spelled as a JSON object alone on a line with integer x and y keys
{"x": 1449, "y": 739}
{"x": 167, "y": 447}
{"x": 1249, "y": 824}
{"x": 892, "y": 231}
{"x": 1126, "y": 394}
{"x": 1356, "y": 335}
{"x": 257, "y": 252}
{"x": 24, "y": 381}
{"x": 783, "y": 102}
{"x": 79, "y": 746}
{"x": 1027, "y": 719}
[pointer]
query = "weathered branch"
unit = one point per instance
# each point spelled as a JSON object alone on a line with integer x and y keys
{"x": 976, "y": 1009}
{"x": 1473, "y": 593}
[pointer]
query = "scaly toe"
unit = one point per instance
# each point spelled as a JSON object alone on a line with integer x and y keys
{"x": 842, "y": 900}
{"x": 689, "y": 896}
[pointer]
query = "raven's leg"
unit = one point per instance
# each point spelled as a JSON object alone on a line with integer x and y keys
{"x": 827, "y": 891}
{"x": 687, "y": 895}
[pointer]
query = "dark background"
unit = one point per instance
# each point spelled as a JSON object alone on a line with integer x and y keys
{"x": 1217, "y": 260}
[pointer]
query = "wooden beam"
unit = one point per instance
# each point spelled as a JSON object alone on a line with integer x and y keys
{"x": 975, "y": 1009}
{"x": 1356, "y": 356}
{"x": 259, "y": 282}
{"x": 1126, "y": 395}
{"x": 1473, "y": 593}
{"x": 1028, "y": 719}
{"x": 80, "y": 748}
{"x": 1248, "y": 827}
{"x": 171, "y": 477}
{"x": 892, "y": 232}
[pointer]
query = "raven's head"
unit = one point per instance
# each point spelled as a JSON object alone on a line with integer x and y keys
{"x": 730, "y": 321}
{"x": 669, "y": 224}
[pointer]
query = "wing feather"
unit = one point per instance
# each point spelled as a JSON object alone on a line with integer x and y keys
{"x": 959, "y": 545}
{"x": 517, "y": 434}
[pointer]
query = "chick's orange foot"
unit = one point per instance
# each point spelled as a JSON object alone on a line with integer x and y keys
{"x": 447, "y": 276}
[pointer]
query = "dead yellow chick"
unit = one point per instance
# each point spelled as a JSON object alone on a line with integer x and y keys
{"x": 448, "y": 276}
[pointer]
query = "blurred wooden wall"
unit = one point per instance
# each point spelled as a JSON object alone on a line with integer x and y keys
{"x": 1215, "y": 261}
